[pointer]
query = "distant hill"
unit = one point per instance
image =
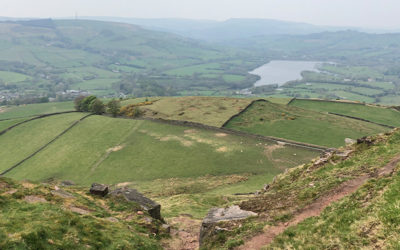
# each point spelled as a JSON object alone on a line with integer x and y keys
{"x": 45, "y": 56}
{"x": 218, "y": 31}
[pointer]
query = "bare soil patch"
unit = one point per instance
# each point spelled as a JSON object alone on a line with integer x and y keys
{"x": 79, "y": 210}
{"x": 34, "y": 199}
{"x": 221, "y": 134}
{"x": 115, "y": 149}
{"x": 223, "y": 149}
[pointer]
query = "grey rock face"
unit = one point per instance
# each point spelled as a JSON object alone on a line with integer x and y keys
{"x": 215, "y": 215}
{"x": 99, "y": 189}
{"x": 152, "y": 207}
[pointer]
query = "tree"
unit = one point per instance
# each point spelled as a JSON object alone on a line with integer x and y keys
{"x": 113, "y": 107}
{"x": 97, "y": 107}
{"x": 86, "y": 103}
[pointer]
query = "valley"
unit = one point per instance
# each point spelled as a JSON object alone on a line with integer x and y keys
{"x": 129, "y": 133}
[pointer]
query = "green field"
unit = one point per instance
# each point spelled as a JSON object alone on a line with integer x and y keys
{"x": 12, "y": 77}
{"x": 302, "y": 125}
{"x": 34, "y": 109}
{"x": 181, "y": 167}
{"x": 8, "y": 123}
{"x": 376, "y": 114}
{"x": 31, "y": 136}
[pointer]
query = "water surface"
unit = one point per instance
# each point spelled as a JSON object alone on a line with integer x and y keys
{"x": 281, "y": 72}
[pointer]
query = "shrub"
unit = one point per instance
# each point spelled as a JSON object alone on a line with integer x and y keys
{"x": 97, "y": 107}
{"x": 131, "y": 111}
{"x": 113, "y": 107}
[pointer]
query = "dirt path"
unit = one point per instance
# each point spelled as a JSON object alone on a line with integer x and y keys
{"x": 184, "y": 235}
{"x": 318, "y": 206}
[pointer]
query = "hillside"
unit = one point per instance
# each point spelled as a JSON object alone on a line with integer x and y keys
{"x": 48, "y": 57}
{"x": 347, "y": 199}
{"x": 147, "y": 155}
{"x": 380, "y": 115}
{"x": 49, "y": 216}
{"x": 222, "y": 31}
{"x": 190, "y": 168}
{"x": 290, "y": 122}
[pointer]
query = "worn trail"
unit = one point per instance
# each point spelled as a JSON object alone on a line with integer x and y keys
{"x": 318, "y": 206}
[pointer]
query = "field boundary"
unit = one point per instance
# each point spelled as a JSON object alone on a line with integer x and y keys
{"x": 32, "y": 119}
{"x": 361, "y": 119}
{"x": 342, "y": 115}
{"x": 236, "y": 132}
{"x": 242, "y": 111}
{"x": 324, "y": 100}
{"x": 44, "y": 146}
{"x": 291, "y": 100}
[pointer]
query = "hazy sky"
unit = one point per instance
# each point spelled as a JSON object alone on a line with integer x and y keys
{"x": 363, "y": 13}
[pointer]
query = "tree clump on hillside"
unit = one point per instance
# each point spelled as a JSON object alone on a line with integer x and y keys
{"x": 89, "y": 104}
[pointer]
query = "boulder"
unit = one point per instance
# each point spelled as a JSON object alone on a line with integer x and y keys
{"x": 215, "y": 215}
{"x": 349, "y": 141}
{"x": 152, "y": 207}
{"x": 365, "y": 140}
{"x": 99, "y": 189}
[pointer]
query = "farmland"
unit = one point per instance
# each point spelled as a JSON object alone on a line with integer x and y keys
{"x": 150, "y": 156}
{"x": 382, "y": 115}
{"x": 302, "y": 125}
{"x": 34, "y": 109}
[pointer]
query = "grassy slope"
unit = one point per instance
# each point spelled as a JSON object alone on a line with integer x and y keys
{"x": 74, "y": 156}
{"x": 8, "y": 123}
{"x": 166, "y": 162}
{"x": 301, "y": 125}
{"x": 51, "y": 224}
{"x": 212, "y": 111}
{"x": 368, "y": 218}
{"x": 29, "y": 137}
{"x": 35, "y": 109}
{"x": 375, "y": 114}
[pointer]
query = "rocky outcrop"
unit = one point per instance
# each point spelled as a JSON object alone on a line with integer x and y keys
{"x": 152, "y": 207}
{"x": 209, "y": 225}
{"x": 99, "y": 189}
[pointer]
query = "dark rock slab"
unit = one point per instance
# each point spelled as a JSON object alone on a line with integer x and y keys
{"x": 99, "y": 189}
{"x": 152, "y": 207}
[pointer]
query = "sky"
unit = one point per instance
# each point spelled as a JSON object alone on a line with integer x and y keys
{"x": 356, "y": 13}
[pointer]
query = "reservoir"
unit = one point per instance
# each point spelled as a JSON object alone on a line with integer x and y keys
{"x": 281, "y": 72}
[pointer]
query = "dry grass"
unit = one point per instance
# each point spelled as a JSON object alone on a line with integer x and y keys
{"x": 212, "y": 111}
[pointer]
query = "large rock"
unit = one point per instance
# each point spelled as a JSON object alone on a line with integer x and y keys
{"x": 99, "y": 189}
{"x": 152, "y": 207}
{"x": 215, "y": 215}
